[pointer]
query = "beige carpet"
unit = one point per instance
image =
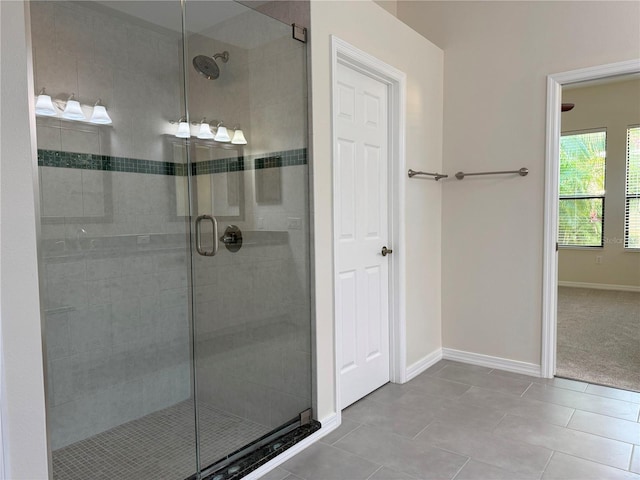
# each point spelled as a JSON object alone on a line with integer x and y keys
{"x": 599, "y": 337}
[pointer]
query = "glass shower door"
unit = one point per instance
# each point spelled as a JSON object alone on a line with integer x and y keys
{"x": 174, "y": 264}
{"x": 249, "y": 200}
{"x": 114, "y": 247}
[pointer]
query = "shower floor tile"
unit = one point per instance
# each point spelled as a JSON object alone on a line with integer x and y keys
{"x": 159, "y": 445}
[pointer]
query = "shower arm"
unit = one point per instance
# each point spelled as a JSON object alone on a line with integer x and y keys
{"x": 224, "y": 56}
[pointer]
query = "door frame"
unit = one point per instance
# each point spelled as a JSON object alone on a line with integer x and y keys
{"x": 349, "y": 55}
{"x": 552, "y": 173}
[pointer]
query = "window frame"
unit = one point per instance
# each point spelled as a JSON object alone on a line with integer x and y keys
{"x": 581, "y": 196}
{"x": 627, "y": 195}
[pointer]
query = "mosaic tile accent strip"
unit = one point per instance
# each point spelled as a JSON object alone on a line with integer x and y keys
{"x": 286, "y": 158}
{"x": 268, "y": 162}
{"x": 283, "y": 158}
{"x": 89, "y": 161}
{"x": 222, "y": 165}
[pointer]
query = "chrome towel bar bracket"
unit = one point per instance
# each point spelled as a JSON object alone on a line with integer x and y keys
{"x": 436, "y": 176}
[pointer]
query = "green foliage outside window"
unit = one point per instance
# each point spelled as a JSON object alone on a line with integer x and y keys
{"x": 632, "y": 190}
{"x": 582, "y": 177}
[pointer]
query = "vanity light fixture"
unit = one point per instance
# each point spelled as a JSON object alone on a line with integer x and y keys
{"x": 100, "y": 115}
{"x": 73, "y": 110}
{"x": 205, "y": 130}
{"x": 44, "y": 105}
{"x": 238, "y": 137}
{"x": 183, "y": 128}
{"x": 221, "y": 134}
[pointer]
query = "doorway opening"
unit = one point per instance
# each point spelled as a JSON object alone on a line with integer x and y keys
{"x": 598, "y": 262}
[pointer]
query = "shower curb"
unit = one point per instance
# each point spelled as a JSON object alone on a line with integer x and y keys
{"x": 254, "y": 460}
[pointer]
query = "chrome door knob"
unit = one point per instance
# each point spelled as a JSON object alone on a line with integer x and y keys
{"x": 386, "y": 251}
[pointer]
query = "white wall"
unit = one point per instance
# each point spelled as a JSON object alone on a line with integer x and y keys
{"x": 614, "y": 106}
{"x": 373, "y": 30}
{"x": 22, "y": 401}
{"x": 497, "y": 57}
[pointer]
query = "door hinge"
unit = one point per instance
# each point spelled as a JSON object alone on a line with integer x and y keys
{"x": 299, "y": 33}
{"x": 306, "y": 417}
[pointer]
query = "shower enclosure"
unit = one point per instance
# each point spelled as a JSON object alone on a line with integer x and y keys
{"x": 174, "y": 236}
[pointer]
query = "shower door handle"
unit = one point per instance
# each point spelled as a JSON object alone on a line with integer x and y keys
{"x": 200, "y": 250}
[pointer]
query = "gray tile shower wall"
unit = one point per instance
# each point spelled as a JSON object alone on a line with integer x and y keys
{"x": 133, "y": 67}
{"x": 262, "y": 87}
{"x": 117, "y": 330}
{"x": 116, "y": 308}
{"x": 117, "y": 336}
{"x": 253, "y": 316}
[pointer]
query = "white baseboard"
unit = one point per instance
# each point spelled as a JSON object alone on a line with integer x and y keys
{"x": 329, "y": 424}
{"x": 421, "y": 365}
{"x": 514, "y": 366}
{"x": 600, "y": 286}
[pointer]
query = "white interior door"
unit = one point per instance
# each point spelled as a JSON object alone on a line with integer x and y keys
{"x": 361, "y": 230}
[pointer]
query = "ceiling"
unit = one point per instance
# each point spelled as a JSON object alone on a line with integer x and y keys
{"x": 224, "y": 20}
{"x": 201, "y": 14}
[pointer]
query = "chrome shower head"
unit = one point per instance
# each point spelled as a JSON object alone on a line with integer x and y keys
{"x": 207, "y": 66}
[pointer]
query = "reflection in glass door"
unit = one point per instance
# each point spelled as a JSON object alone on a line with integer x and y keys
{"x": 171, "y": 345}
{"x": 251, "y": 299}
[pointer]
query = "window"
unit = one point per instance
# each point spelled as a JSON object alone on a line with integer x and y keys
{"x": 582, "y": 172}
{"x": 632, "y": 190}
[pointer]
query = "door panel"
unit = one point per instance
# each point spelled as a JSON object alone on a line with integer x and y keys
{"x": 346, "y": 189}
{"x": 372, "y": 191}
{"x": 348, "y": 308}
{"x": 374, "y": 312}
{"x": 362, "y": 230}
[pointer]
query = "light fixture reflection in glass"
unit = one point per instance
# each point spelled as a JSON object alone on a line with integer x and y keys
{"x": 73, "y": 110}
{"x": 44, "y": 105}
{"x": 221, "y": 134}
{"x": 100, "y": 114}
{"x": 238, "y": 137}
{"x": 183, "y": 129}
{"x": 205, "y": 130}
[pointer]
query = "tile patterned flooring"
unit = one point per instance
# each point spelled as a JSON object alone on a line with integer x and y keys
{"x": 464, "y": 422}
{"x": 157, "y": 446}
